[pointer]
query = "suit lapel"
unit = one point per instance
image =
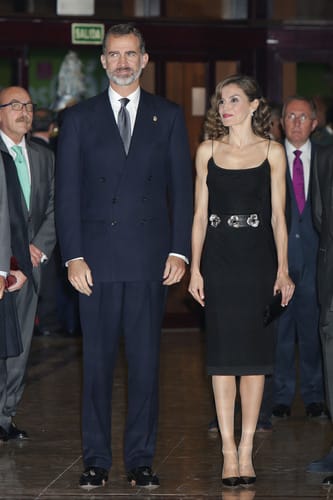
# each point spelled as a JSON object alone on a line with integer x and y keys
{"x": 24, "y": 206}
{"x": 35, "y": 171}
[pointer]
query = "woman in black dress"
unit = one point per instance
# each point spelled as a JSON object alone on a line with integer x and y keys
{"x": 239, "y": 257}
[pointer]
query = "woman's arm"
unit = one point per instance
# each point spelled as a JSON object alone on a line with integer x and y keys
{"x": 196, "y": 287}
{"x": 277, "y": 160}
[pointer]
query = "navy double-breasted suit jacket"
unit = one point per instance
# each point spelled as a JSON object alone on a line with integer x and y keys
{"x": 124, "y": 214}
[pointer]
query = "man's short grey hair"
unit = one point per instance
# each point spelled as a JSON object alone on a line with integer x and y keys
{"x": 122, "y": 30}
{"x": 300, "y": 98}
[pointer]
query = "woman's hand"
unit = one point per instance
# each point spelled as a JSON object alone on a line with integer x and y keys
{"x": 196, "y": 288}
{"x": 286, "y": 286}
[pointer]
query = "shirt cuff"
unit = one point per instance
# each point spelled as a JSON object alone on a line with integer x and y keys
{"x": 180, "y": 256}
{"x": 3, "y": 274}
{"x": 71, "y": 260}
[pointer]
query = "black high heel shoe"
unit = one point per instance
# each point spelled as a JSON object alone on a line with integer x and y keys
{"x": 247, "y": 480}
{"x": 231, "y": 482}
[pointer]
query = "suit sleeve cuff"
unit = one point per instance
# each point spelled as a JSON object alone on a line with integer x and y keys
{"x": 185, "y": 259}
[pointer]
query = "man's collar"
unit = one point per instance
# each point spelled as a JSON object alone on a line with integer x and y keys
{"x": 9, "y": 143}
{"x": 114, "y": 96}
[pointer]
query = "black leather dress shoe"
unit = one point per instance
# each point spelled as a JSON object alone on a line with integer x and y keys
{"x": 328, "y": 481}
{"x": 247, "y": 480}
{"x": 324, "y": 464}
{"x": 143, "y": 477}
{"x": 93, "y": 477}
{"x": 231, "y": 482}
{"x": 15, "y": 433}
{"x": 281, "y": 411}
{"x": 316, "y": 410}
{"x": 3, "y": 435}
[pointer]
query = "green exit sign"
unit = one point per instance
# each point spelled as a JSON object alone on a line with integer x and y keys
{"x": 87, "y": 34}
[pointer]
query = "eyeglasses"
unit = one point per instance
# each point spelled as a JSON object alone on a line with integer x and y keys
{"x": 293, "y": 118}
{"x": 18, "y": 106}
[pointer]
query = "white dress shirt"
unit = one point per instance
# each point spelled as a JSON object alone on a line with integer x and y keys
{"x": 306, "y": 160}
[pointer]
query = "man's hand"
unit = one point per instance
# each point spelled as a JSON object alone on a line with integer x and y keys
{"x": 20, "y": 280}
{"x": 80, "y": 276}
{"x": 35, "y": 255}
{"x": 174, "y": 270}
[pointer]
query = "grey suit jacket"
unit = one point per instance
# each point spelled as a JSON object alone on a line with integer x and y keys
{"x": 40, "y": 216}
{"x": 5, "y": 251}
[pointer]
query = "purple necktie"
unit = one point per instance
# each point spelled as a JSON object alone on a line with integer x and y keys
{"x": 298, "y": 181}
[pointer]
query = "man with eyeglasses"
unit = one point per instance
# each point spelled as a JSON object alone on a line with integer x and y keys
{"x": 29, "y": 170}
{"x": 299, "y": 324}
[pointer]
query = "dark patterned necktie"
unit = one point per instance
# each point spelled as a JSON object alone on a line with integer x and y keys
{"x": 124, "y": 123}
{"x": 298, "y": 180}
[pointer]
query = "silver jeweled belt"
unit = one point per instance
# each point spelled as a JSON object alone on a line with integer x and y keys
{"x": 235, "y": 221}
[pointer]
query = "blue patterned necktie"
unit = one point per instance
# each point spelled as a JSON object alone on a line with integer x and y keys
{"x": 23, "y": 173}
{"x": 298, "y": 180}
{"x": 124, "y": 123}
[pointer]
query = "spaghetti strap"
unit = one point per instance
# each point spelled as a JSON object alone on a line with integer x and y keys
{"x": 269, "y": 143}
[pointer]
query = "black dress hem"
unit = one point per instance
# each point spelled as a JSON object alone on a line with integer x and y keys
{"x": 240, "y": 370}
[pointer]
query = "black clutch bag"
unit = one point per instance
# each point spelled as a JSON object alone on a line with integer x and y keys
{"x": 274, "y": 309}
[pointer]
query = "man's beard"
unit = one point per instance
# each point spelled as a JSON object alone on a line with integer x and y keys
{"x": 123, "y": 81}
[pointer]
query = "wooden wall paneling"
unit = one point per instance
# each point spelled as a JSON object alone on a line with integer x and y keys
{"x": 289, "y": 79}
{"x": 194, "y": 8}
{"x": 223, "y": 69}
{"x": 148, "y": 79}
{"x": 181, "y": 78}
{"x": 284, "y": 9}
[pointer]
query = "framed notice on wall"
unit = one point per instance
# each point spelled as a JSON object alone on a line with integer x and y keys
{"x": 75, "y": 7}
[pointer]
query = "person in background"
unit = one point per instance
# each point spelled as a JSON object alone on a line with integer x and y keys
{"x": 322, "y": 186}
{"x": 275, "y": 127}
{"x": 43, "y": 126}
{"x": 239, "y": 258}
{"x": 299, "y": 324}
{"x": 324, "y": 135}
{"x": 124, "y": 214}
{"x": 47, "y": 319}
{"x": 34, "y": 165}
{"x": 5, "y": 248}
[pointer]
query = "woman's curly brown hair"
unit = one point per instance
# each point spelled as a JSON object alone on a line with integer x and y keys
{"x": 213, "y": 126}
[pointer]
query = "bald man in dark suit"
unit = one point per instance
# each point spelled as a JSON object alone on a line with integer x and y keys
{"x": 36, "y": 203}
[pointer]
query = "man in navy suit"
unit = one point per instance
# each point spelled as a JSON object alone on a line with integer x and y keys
{"x": 299, "y": 324}
{"x": 124, "y": 216}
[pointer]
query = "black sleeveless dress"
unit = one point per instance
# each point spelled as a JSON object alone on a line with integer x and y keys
{"x": 239, "y": 269}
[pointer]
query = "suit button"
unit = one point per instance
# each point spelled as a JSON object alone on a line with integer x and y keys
{"x": 114, "y": 223}
{"x": 102, "y": 179}
{"x": 114, "y": 200}
{"x": 297, "y": 235}
{"x": 150, "y": 178}
{"x": 144, "y": 198}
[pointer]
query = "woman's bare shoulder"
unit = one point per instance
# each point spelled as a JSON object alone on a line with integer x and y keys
{"x": 276, "y": 148}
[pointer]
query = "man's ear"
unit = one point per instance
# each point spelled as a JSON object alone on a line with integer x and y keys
{"x": 145, "y": 59}
{"x": 282, "y": 123}
{"x": 314, "y": 124}
{"x": 103, "y": 61}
